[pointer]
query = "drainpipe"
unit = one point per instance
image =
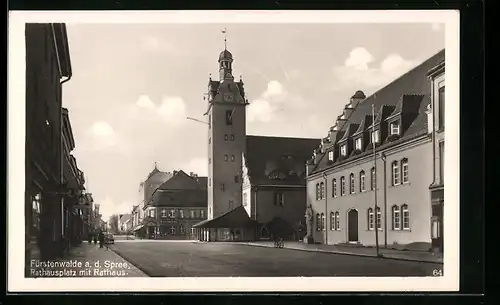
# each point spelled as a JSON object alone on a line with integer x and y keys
{"x": 384, "y": 159}
{"x": 326, "y": 208}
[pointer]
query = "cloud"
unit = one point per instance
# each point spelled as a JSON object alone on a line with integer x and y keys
{"x": 271, "y": 102}
{"x": 198, "y": 166}
{"x": 108, "y": 207}
{"x": 437, "y": 26}
{"x": 100, "y": 136}
{"x": 171, "y": 110}
{"x": 358, "y": 72}
{"x": 145, "y": 102}
{"x": 358, "y": 59}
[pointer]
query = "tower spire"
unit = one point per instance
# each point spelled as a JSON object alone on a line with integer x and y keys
{"x": 224, "y": 31}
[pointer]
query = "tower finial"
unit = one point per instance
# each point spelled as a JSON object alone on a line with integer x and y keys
{"x": 156, "y": 165}
{"x": 225, "y": 38}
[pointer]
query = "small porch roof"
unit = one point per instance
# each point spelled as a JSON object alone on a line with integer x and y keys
{"x": 236, "y": 218}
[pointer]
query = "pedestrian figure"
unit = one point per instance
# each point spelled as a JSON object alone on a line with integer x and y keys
{"x": 101, "y": 239}
{"x": 89, "y": 238}
{"x": 95, "y": 238}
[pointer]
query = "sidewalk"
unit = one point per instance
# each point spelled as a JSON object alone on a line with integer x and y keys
{"x": 87, "y": 260}
{"x": 416, "y": 256}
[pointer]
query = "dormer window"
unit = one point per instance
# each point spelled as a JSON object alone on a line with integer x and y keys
{"x": 375, "y": 136}
{"x": 358, "y": 144}
{"x": 395, "y": 128}
{"x": 330, "y": 156}
{"x": 343, "y": 150}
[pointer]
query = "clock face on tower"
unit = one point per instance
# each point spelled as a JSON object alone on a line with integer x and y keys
{"x": 228, "y": 97}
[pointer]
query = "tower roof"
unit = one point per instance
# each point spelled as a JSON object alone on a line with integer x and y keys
{"x": 225, "y": 55}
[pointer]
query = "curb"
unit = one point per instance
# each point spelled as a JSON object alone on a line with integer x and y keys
{"x": 128, "y": 261}
{"x": 351, "y": 254}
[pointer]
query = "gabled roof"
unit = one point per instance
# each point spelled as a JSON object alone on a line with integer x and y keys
{"x": 180, "y": 181}
{"x": 349, "y": 132}
{"x": 181, "y": 190}
{"x": 367, "y": 121}
{"x": 414, "y": 81}
{"x": 236, "y": 218}
{"x": 153, "y": 172}
{"x": 409, "y": 103}
{"x": 265, "y": 155}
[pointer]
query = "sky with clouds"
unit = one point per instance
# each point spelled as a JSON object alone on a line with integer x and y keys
{"x": 134, "y": 85}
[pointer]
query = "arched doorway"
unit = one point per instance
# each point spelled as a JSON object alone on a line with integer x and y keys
{"x": 352, "y": 226}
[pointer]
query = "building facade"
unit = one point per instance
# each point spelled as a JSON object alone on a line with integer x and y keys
{"x": 125, "y": 223}
{"x": 369, "y": 178}
{"x": 175, "y": 206}
{"x": 48, "y": 66}
{"x": 274, "y": 185}
{"x": 239, "y": 210}
{"x": 436, "y": 115}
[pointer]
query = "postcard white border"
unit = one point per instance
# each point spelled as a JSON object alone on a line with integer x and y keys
{"x": 16, "y": 154}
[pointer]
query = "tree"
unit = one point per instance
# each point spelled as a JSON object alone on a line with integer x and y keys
{"x": 113, "y": 224}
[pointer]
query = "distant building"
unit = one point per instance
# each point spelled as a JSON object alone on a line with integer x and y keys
{"x": 175, "y": 206}
{"x": 344, "y": 181}
{"x": 274, "y": 195}
{"x": 125, "y": 223}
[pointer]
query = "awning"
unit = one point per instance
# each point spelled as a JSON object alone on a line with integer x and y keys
{"x": 138, "y": 228}
{"x": 237, "y": 218}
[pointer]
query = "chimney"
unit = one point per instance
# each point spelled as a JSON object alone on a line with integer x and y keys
{"x": 332, "y": 134}
{"x": 175, "y": 173}
{"x": 191, "y": 174}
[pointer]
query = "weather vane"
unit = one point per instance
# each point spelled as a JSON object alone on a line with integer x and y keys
{"x": 224, "y": 31}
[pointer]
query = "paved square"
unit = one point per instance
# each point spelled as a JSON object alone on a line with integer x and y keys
{"x": 191, "y": 259}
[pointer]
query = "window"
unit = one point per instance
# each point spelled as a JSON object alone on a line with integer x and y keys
{"x": 322, "y": 191}
{"x": 225, "y": 137}
{"x": 441, "y": 103}
{"x": 318, "y": 222}
{"x": 395, "y": 173}
{"x": 209, "y": 140}
{"x": 222, "y": 187}
{"x": 181, "y": 229}
{"x": 202, "y": 214}
{"x": 342, "y": 186}
{"x": 225, "y": 158}
{"x": 229, "y": 117}
{"x": 332, "y": 221}
{"x": 371, "y": 219}
{"x": 192, "y": 214}
{"x": 343, "y": 150}
{"x": 373, "y": 179}
{"x": 323, "y": 219}
{"x": 395, "y": 128}
{"x": 245, "y": 198}
{"x": 236, "y": 179}
{"x": 317, "y": 191}
{"x": 396, "y": 218}
{"x": 181, "y": 213}
{"x": 232, "y": 158}
{"x": 441, "y": 161}
{"x": 406, "y": 217}
{"x": 279, "y": 199}
{"x": 230, "y": 204}
{"x": 334, "y": 187}
{"x": 375, "y": 136}
{"x": 171, "y": 213}
{"x": 337, "y": 221}
{"x": 172, "y": 230}
{"x": 330, "y": 156}
{"x": 351, "y": 184}
{"x": 404, "y": 170}
{"x": 358, "y": 144}
{"x": 379, "y": 219}
{"x": 163, "y": 213}
{"x": 362, "y": 181}
{"x": 232, "y": 137}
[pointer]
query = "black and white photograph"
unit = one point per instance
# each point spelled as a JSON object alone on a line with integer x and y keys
{"x": 233, "y": 150}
